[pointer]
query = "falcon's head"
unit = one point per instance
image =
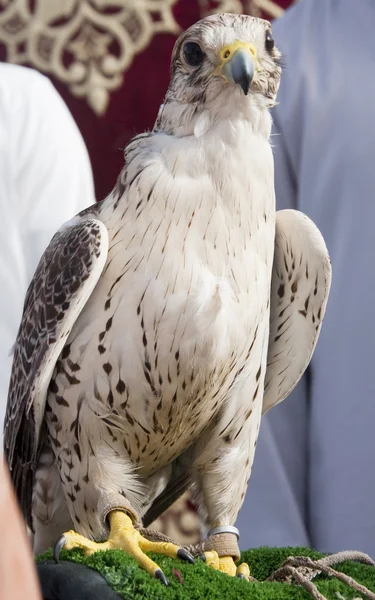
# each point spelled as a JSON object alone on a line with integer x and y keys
{"x": 222, "y": 60}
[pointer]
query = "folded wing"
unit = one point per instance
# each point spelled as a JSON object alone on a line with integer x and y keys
{"x": 301, "y": 282}
{"x": 63, "y": 282}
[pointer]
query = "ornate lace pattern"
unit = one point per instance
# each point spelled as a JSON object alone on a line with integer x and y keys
{"x": 86, "y": 44}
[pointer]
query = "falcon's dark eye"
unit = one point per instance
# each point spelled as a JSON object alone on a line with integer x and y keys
{"x": 193, "y": 54}
{"x": 269, "y": 42}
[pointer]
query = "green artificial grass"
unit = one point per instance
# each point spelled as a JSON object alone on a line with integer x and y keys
{"x": 198, "y": 581}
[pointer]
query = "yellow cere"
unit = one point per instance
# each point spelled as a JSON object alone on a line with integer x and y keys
{"x": 227, "y": 52}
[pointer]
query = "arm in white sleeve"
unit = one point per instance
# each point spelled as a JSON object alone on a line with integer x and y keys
{"x": 58, "y": 183}
{"x": 45, "y": 179}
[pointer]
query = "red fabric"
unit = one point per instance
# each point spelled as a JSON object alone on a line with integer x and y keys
{"x": 134, "y": 107}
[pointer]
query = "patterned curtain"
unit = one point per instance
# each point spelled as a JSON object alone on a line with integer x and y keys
{"x": 109, "y": 59}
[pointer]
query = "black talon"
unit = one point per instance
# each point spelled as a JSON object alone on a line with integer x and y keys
{"x": 160, "y": 575}
{"x": 241, "y": 576}
{"x": 57, "y": 548}
{"x": 185, "y": 555}
{"x": 202, "y": 557}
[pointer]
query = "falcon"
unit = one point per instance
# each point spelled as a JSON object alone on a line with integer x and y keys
{"x": 163, "y": 321}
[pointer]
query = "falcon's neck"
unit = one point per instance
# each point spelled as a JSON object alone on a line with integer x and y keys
{"x": 222, "y": 155}
{"x": 180, "y": 119}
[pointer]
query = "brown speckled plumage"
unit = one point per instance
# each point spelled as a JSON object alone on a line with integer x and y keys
{"x": 141, "y": 366}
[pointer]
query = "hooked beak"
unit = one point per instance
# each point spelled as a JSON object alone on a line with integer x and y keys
{"x": 238, "y": 64}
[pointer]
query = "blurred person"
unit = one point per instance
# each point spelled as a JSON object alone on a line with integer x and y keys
{"x": 313, "y": 480}
{"x": 45, "y": 180}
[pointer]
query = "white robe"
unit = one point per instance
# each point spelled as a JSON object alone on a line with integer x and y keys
{"x": 45, "y": 178}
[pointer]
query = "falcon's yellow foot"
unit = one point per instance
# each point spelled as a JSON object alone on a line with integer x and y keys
{"x": 123, "y": 536}
{"x": 226, "y": 564}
